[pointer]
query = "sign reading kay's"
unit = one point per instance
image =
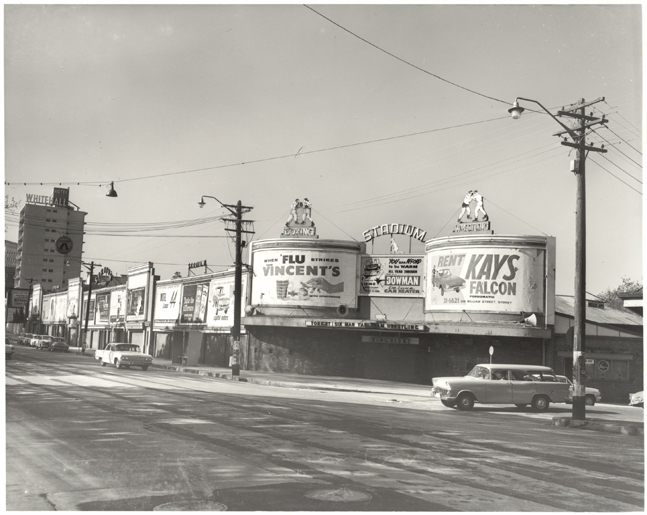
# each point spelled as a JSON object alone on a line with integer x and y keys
{"x": 392, "y": 276}
{"x": 486, "y": 278}
{"x": 304, "y": 277}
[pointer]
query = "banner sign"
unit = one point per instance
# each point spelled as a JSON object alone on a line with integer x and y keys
{"x": 73, "y": 295}
{"x": 194, "y": 303}
{"x": 167, "y": 305}
{"x": 304, "y": 277}
{"x": 507, "y": 279}
{"x": 392, "y": 276}
{"x": 220, "y": 312}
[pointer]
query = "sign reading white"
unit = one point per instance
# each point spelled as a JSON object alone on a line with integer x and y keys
{"x": 392, "y": 276}
{"x": 303, "y": 277}
{"x": 504, "y": 279}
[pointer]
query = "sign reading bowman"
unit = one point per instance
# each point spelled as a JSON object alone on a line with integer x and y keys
{"x": 494, "y": 274}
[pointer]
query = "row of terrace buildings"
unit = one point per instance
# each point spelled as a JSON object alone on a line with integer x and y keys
{"x": 329, "y": 307}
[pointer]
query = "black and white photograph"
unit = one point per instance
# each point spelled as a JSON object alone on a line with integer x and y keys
{"x": 323, "y": 257}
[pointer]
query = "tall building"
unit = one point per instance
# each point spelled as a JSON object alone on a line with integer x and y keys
{"x": 10, "y": 253}
{"x": 46, "y": 222}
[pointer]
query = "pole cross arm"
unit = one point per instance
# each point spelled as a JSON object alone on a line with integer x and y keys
{"x": 583, "y": 147}
{"x": 587, "y": 126}
{"x": 577, "y": 115}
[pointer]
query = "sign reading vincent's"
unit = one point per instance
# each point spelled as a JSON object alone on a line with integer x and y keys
{"x": 495, "y": 274}
{"x": 319, "y": 274}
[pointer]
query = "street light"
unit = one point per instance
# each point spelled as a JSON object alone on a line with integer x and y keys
{"x": 111, "y": 192}
{"x": 578, "y": 135}
{"x": 237, "y": 212}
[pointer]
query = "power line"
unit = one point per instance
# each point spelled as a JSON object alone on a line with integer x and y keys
{"x": 405, "y": 62}
{"x": 613, "y": 175}
{"x": 256, "y": 161}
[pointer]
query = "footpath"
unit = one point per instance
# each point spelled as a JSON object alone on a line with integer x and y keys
{"x": 352, "y": 384}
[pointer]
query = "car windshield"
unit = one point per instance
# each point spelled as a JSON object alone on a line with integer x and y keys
{"x": 480, "y": 372}
{"x": 127, "y": 347}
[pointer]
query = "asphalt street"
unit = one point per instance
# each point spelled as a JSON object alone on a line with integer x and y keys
{"x": 91, "y": 438}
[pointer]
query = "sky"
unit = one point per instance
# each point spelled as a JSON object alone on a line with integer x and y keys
{"x": 376, "y": 113}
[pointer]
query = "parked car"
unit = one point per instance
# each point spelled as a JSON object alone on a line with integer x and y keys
{"x": 123, "y": 355}
{"x": 591, "y": 395}
{"x": 444, "y": 280}
{"x": 501, "y": 384}
{"x": 35, "y": 338}
{"x": 59, "y": 344}
{"x": 43, "y": 342}
{"x": 24, "y": 338}
{"x": 637, "y": 399}
{"x": 8, "y": 348}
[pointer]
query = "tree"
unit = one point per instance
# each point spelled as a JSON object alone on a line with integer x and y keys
{"x": 610, "y": 296}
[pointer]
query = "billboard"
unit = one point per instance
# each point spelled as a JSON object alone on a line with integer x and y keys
{"x": 117, "y": 306}
{"x": 103, "y": 308}
{"x": 304, "y": 277}
{"x": 136, "y": 304}
{"x": 392, "y": 275}
{"x": 194, "y": 303}
{"x": 220, "y": 312}
{"x": 493, "y": 278}
{"x": 167, "y": 304}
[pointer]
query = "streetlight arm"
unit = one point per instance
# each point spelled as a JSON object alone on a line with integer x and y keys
{"x": 570, "y": 131}
{"x": 201, "y": 203}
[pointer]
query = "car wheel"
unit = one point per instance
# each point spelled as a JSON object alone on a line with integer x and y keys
{"x": 465, "y": 401}
{"x": 103, "y": 363}
{"x": 589, "y": 400}
{"x": 540, "y": 403}
{"x": 521, "y": 405}
{"x": 118, "y": 363}
{"x": 144, "y": 368}
{"x": 449, "y": 404}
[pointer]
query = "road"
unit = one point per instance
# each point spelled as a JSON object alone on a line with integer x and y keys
{"x": 85, "y": 437}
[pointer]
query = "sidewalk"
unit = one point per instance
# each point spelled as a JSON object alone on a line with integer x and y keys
{"x": 351, "y": 384}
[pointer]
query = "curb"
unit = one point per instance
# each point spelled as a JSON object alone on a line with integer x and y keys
{"x": 266, "y": 382}
{"x": 623, "y": 428}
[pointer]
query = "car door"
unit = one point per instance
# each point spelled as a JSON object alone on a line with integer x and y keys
{"x": 499, "y": 389}
{"x": 523, "y": 387}
{"x": 110, "y": 350}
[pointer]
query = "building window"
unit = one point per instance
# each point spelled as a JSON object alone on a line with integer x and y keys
{"x": 47, "y": 220}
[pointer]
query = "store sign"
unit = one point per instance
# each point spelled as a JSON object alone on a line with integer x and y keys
{"x": 392, "y": 276}
{"x": 34, "y": 308}
{"x": 167, "y": 305}
{"x": 220, "y": 312}
{"x": 304, "y": 277}
{"x": 390, "y": 340}
{"x": 384, "y": 229}
{"x": 342, "y": 324}
{"x": 198, "y": 264}
{"x": 194, "y": 303}
{"x": 486, "y": 279}
{"x": 300, "y": 223}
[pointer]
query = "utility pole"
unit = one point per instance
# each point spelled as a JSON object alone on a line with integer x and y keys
{"x": 84, "y": 343}
{"x": 578, "y": 135}
{"x": 238, "y": 210}
{"x": 579, "y": 334}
